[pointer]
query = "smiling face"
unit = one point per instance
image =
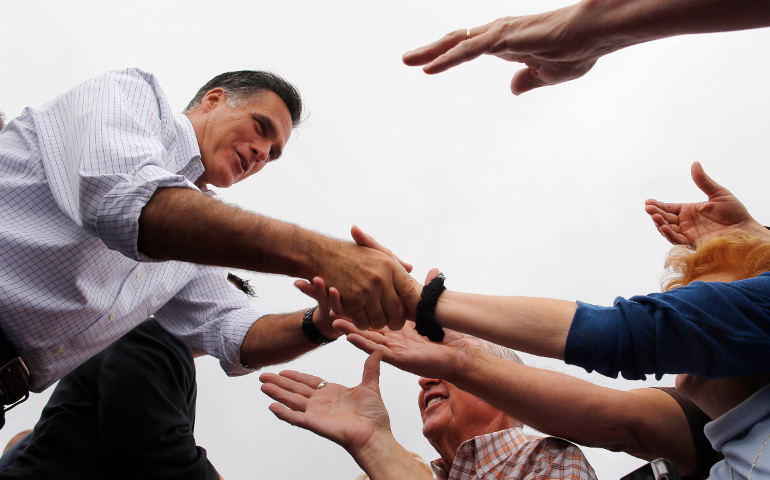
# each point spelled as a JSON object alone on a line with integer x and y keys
{"x": 451, "y": 416}
{"x": 237, "y": 142}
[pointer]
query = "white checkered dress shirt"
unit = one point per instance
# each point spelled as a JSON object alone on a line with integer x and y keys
{"x": 74, "y": 177}
{"x": 509, "y": 455}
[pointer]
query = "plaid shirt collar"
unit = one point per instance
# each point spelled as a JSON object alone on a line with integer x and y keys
{"x": 478, "y": 456}
{"x": 508, "y": 454}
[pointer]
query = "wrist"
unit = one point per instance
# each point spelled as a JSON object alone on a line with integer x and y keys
{"x": 605, "y": 26}
{"x": 311, "y": 330}
{"x": 463, "y": 359}
{"x": 383, "y": 457}
{"x": 753, "y": 227}
{"x": 323, "y": 323}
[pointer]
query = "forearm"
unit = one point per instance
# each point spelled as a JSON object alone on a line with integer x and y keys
{"x": 646, "y": 423}
{"x": 383, "y": 458}
{"x": 535, "y": 325}
{"x": 614, "y": 24}
{"x": 181, "y": 224}
{"x": 279, "y": 338}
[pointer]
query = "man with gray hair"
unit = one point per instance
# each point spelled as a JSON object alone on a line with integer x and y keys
{"x": 474, "y": 439}
{"x": 2, "y": 120}
{"x": 105, "y": 192}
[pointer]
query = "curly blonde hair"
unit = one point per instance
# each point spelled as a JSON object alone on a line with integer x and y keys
{"x": 738, "y": 254}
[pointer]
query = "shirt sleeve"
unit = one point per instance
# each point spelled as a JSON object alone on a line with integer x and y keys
{"x": 554, "y": 458}
{"x": 709, "y": 329}
{"x": 211, "y": 315}
{"x": 106, "y": 147}
{"x": 705, "y": 455}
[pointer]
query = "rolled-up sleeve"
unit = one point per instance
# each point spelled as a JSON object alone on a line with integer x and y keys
{"x": 710, "y": 329}
{"x": 213, "y": 316}
{"x": 107, "y": 145}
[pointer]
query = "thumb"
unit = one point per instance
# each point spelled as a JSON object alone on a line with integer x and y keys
{"x": 360, "y": 237}
{"x": 431, "y": 275}
{"x": 525, "y": 80}
{"x": 371, "y": 376}
{"x": 706, "y": 183}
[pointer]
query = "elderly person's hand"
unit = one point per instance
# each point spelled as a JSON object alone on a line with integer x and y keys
{"x": 687, "y": 223}
{"x": 348, "y": 417}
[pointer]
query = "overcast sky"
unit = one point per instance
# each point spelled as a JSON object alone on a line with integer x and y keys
{"x": 537, "y": 195}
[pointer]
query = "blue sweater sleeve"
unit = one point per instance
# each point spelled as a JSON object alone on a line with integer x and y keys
{"x": 710, "y": 329}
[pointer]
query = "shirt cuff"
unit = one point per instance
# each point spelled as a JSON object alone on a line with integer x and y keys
{"x": 233, "y": 334}
{"x": 117, "y": 221}
{"x": 592, "y": 335}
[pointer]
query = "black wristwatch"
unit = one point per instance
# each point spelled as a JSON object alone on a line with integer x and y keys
{"x": 311, "y": 332}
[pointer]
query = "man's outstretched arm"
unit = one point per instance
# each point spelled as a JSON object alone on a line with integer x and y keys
{"x": 181, "y": 224}
{"x": 565, "y": 44}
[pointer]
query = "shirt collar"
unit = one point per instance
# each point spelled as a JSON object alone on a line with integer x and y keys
{"x": 738, "y": 419}
{"x": 189, "y": 151}
{"x": 483, "y": 452}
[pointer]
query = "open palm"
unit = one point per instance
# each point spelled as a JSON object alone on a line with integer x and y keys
{"x": 346, "y": 416}
{"x": 687, "y": 223}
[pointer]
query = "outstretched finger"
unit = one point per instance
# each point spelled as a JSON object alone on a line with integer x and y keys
{"x": 292, "y": 400}
{"x": 428, "y": 53}
{"x": 674, "y": 237}
{"x": 361, "y": 342}
{"x": 305, "y": 379}
{"x": 297, "y": 419}
{"x": 668, "y": 227}
{"x": 311, "y": 290}
{"x": 291, "y": 381}
{"x": 463, "y": 51}
{"x": 667, "y": 213}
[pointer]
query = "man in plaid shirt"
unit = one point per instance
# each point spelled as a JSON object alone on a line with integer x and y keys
{"x": 474, "y": 439}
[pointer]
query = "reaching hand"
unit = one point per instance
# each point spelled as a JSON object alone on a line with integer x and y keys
{"x": 547, "y": 44}
{"x": 686, "y": 223}
{"x": 322, "y": 318}
{"x": 367, "y": 282}
{"x": 349, "y": 417}
{"x": 407, "y": 288}
{"x": 408, "y": 350}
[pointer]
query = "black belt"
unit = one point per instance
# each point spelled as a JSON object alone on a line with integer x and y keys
{"x": 14, "y": 376}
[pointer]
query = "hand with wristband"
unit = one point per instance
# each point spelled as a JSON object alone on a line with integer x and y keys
{"x": 317, "y": 323}
{"x": 419, "y": 301}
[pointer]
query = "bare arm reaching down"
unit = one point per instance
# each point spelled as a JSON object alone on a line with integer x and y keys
{"x": 565, "y": 44}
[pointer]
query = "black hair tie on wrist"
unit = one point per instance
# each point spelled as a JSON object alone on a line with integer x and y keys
{"x": 425, "y": 323}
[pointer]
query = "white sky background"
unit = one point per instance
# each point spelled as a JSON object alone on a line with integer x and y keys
{"x": 536, "y": 195}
